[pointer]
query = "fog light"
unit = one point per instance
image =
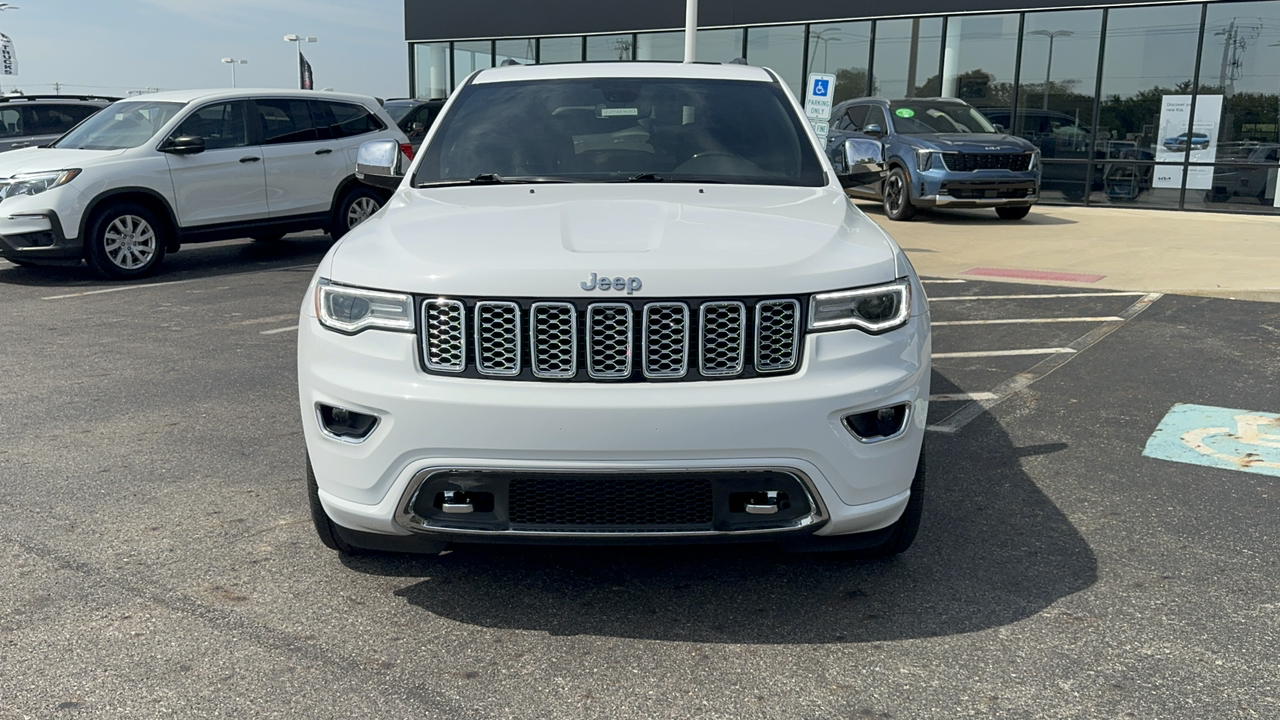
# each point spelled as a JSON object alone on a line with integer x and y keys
{"x": 877, "y": 425}
{"x": 345, "y": 424}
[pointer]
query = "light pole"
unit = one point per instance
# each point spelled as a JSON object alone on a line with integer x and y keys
{"x": 233, "y": 63}
{"x": 822, "y": 37}
{"x": 1048, "y": 67}
{"x": 299, "y": 39}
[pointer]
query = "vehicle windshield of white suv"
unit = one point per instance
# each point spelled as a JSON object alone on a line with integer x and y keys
{"x": 120, "y": 126}
{"x": 911, "y": 117}
{"x": 620, "y": 130}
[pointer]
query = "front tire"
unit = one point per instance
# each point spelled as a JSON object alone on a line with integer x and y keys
{"x": 357, "y": 205}
{"x": 125, "y": 241}
{"x": 897, "y": 196}
{"x": 324, "y": 526}
{"x": 1013, "y": 213}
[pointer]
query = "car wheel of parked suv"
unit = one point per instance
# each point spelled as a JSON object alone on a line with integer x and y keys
{"x": 356, "y": 206}
{"x": 125, "y": 241}
{"x": 1013, "y": 213}
{"x": 324, "y": 526}
{"x": 897, "y": 196}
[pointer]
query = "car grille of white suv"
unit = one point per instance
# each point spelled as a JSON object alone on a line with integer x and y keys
{"x": 617, "y": 341}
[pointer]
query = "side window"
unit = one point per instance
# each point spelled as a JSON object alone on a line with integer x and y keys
{"x": 10, "y": 122}
{"x": 285, "y": 121}
{"x": 875, "y": 116}
{"x": 350, "y": 120}
{"x": 221, "y": 125}
{"x": 79, "y": 112}
{"x": 47, "y": 119}
{"x": 857, "y": 117}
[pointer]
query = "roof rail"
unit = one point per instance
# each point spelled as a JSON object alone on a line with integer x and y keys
{"x": 11, "y": 98}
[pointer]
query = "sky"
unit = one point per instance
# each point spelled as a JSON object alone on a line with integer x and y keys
{"x": 115, "y": 46}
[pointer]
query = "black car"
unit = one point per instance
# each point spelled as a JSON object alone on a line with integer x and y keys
{"x": 35, "y": 120}
{"x": 414, "y": 116}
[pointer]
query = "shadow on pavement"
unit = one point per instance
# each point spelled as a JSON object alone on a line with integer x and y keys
{"x": 229, "y": 257}
{"x": 957, "y": 216}
{"x": 993, "y": 550}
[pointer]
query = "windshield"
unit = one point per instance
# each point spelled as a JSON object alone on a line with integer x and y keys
{"x": 397, "y": 111}
{"x": 614, "y": 130}
{"x": 924, "y": 118}
{"x": 122, "y": 125}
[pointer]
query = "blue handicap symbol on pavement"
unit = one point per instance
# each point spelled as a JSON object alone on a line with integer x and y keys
{"x": 821, "y": 87}
{"x": 1244, "y": 440}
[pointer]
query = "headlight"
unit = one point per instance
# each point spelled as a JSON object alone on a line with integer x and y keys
{"x": 35, "y": 183}
{"x": 924, "y": 158}
{"x": 874, "y": 309}
{"x": 350, "y": 310}
{"x": 1035, "y": 161}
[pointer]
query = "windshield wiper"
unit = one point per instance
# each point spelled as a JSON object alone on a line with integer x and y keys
{"x": 646, "y": 177}
{"x": 494, "y": 179}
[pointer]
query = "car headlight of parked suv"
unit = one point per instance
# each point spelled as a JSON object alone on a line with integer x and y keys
{"x": 350, "y": 309}
{"x": 925, "y": 159}
{"x": 35, "y": 183}
{"x": 875, "y": 309}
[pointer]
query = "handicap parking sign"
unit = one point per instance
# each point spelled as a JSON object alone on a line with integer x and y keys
{"x": 817, "y": 102}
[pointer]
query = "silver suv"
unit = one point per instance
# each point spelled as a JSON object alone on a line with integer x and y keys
{"x": 36, "y": 120}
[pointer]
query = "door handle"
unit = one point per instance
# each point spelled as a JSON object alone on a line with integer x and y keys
{"x": 324, "y": 151}
{"x": 249, "y": 158}
{"x": 17, "y": 145}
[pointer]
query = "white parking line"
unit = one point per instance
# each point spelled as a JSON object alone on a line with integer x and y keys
{"x": 1003, "y": 353}
{"x": 265, "y": 320}
{"x": 171, "y": 282}
{"x": 948, "y": 282}
{"x": 1034, "y": 295}
{"x": 279, "y": 330}
{"x": 1022, "y": 321}
{"x": 973, "y": 410}
{"x": 957, "y": 397}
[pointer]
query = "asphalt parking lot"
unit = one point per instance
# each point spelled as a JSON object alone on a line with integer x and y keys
{"x": 159, "y": 560}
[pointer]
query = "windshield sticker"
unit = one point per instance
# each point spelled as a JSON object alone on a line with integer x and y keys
{"x": 904, "y": 112}
{"x": 618, "y": 112}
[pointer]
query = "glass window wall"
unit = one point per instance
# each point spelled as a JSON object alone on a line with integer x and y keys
{"x": 432, "y": 72}
{"x": 1149, "y": 132}
{"x": 1149, "y": 61}
{"x": 602, "y": 48}
{"x": 780, "y": 49}
{"x": 718, "y": 46}
{"x": 524, "y": 52}
{"x": 660, "y": 46}
{"x": 469, "y": 57}
{"x": 843, "y": 50}
{"x": 906, "y": 59}
{"x": 561, "y": 49}
{"x": 979, "y": 58}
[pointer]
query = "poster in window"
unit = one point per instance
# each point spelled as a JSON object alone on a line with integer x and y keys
{"x": 1174, "y": 140}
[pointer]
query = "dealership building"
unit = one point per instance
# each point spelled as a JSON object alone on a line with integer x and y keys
{"x": 1168, "y": 105}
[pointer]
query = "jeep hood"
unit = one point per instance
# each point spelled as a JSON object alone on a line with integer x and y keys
{"x": 679, "y": 240}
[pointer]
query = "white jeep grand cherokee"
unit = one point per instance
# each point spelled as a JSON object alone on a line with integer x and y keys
{"x": 615, "y": 303}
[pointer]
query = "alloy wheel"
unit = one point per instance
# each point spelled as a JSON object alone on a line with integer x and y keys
{"x": 362, "y": 208}
{"x": 130, "y": 242}
{"x": 893, "y": 194}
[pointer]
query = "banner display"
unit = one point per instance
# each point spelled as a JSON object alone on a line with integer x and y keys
{"x": 1174, "y": 140}
{"x": 306, "y": 81}
{"x": 8, "y": 58}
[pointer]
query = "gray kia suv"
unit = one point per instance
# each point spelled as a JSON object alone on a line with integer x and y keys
{"x": 36, "y": 120}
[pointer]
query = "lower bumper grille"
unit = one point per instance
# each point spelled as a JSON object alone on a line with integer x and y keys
{"x": 496, "y": 502}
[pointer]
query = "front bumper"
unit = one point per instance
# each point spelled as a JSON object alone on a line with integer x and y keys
{"x": 36, "y": 235}
{"x": 979, "y": 188}
{"x": 791, "y": 424}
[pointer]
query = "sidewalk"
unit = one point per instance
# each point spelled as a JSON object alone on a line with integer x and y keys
{"x": 1231, "y": 256}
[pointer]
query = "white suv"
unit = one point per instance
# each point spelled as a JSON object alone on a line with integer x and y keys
{"x": 622, "y": 302}
{"x": 149, "y": 173}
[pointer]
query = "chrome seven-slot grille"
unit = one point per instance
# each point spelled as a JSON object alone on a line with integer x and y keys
{"x": 614, "y": 341}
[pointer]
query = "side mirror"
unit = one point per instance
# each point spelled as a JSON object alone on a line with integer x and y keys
{"x": 859, "y": 162}
{"x": 418, "y": 128}
{"x": 999, "y": 128}
{"x": 873, "y": 129}
{"x": 380, "y": 164}
{"x": 184, "y": 145}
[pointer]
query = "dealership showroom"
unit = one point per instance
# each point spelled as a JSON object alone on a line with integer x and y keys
{"x": 1128, "y": 78}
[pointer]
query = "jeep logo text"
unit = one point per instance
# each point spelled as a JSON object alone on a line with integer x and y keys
{"x": 630, "y": 284}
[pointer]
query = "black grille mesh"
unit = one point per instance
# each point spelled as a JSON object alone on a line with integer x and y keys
{"x": 623, "y": 502}
{"x": 968, "y": 162}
